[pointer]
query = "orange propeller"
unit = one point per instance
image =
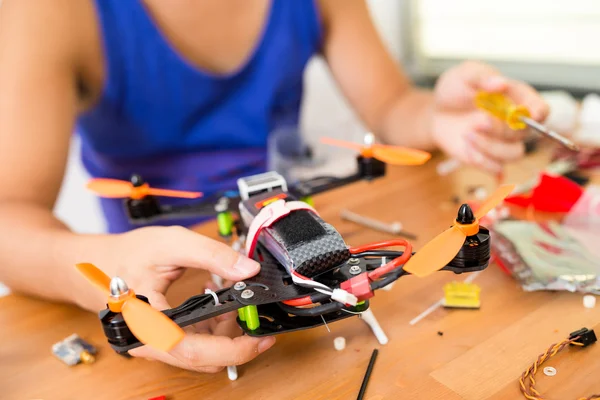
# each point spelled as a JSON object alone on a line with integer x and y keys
{"x": 393, "y": 155}
{"x": 436, "y": 254}
{"x": 149, "y": 325}
{"x": 118, "y": 189}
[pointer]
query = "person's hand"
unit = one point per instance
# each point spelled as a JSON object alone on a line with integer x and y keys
{"x": 471, "y": 135}
{"x": 151, "y": 259}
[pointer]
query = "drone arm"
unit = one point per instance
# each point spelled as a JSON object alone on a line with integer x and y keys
{"x": 322, "y": 184}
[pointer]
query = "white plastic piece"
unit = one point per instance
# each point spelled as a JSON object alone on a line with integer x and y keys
{"x": 589, "y": 301}
{"x": 549, "y": 371}
{"x": 214, "y": 295}
{"x": 339, "y": 343}
{"x": 232, "y": 373}
{"x": 447, "y": 167}
{"x": 344, "y": 297}
{"x": 370, "y": 319}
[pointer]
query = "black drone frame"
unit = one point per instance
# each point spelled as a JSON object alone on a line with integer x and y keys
{"x": 273, "y": 285}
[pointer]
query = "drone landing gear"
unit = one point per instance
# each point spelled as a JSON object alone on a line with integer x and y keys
{"x": 371, "y": 321}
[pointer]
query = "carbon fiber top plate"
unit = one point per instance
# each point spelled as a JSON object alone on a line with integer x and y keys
{"x": 312, "y": 257}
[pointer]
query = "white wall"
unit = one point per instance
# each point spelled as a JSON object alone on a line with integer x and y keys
{"x": 324, "y": 113}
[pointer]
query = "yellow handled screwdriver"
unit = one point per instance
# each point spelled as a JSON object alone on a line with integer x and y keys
{"x": 517, "y": 116}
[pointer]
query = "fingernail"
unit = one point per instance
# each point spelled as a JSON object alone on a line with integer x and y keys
{"x": 246, "y": 266}
{"x": 497, "y": 81}
{"x": 266, "y": 343}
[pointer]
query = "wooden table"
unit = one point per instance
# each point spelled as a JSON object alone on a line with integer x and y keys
{"x": 480, "y": 355}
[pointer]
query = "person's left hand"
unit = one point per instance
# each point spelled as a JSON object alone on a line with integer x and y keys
{"x": 471, "y": 135}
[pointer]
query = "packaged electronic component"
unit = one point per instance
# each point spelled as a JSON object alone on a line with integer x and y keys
{"x": 74, "y": 350}
{"x": 544, "y": 256}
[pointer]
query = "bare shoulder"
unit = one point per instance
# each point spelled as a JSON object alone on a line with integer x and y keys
{"x": 332, "y": 9}
{"x": 59, "y": 31}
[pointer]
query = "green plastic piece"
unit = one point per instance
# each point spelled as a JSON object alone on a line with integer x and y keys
{"x": 360, "y": 303}
{"x": 308, "y": 200}
{"x": 251, "y": 317}
{"x": 225, "y": 223}
{"x": 241, "y": 314}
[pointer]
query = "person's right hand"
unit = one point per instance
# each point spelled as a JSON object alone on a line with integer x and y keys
{"x": 151, "y": 259}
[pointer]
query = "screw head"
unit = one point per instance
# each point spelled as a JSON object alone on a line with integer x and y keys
{"x": 247, "y": 294}
{"x": 354, "y": 261}
{"x": 239, "y": 286}
{"x": 355, "y": 270}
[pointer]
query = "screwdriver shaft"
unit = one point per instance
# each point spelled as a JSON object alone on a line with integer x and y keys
{"x": 549, "y": 133}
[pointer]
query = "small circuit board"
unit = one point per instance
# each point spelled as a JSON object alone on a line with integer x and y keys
{"x": 461, "y": 295}
{"x": 74, "y": 350}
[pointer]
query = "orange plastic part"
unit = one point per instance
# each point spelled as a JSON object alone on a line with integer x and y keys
{"x": 116, "y": 304}
{"x": 468, "y": 229}
{"x": 393, "y": 155}
{"x": 119, "y": 189}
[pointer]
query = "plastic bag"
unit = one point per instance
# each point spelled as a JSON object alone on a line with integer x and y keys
{"x": 545, "y": 256}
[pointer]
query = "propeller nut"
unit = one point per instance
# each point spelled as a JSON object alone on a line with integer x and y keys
{"x": 137, "y": 180}
{"x": 465, "y": 215}
{"x": 118, "y": 287}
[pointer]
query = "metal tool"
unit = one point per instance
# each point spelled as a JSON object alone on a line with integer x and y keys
{"x": 395, "y": 228}
{"x": 517, "y": 117}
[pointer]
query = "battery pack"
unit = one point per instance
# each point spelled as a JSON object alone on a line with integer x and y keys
{"x": 301, "y": 241}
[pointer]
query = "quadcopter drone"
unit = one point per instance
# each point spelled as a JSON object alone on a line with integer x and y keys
{"x": 308, "y": 277}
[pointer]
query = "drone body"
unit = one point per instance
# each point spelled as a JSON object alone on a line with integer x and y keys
{"x": 309, "y": 276}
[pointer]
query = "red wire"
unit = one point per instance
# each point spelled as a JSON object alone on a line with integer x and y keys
{"x": 302, "y": 301}
{"x": 395, "y": 263}
{"x": 373, "y": 275}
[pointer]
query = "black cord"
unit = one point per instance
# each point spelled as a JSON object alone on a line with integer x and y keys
{"x": 363, "y": 386}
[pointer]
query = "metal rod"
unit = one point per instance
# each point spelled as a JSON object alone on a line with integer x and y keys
{"x": 363, "y": 387}
{"x": 549, "y": 133}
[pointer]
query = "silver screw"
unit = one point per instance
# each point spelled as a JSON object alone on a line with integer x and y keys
{"x": 247, "y": 294}
{"x": 354, "y": 261}
{"x": 355, "y": 270}
{"x": 239, "y": 286}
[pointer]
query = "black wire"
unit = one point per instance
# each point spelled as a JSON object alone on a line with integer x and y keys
{"x": 363, "y": 386}
{"x": 388, "y": 278}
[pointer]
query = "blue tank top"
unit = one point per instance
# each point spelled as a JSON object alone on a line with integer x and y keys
{"x": 184, "y": 128}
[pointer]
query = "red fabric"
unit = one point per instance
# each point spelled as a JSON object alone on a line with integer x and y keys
{"x": 552, "y": 194}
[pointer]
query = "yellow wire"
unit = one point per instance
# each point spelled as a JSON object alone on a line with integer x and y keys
{"x": 532, "y": 370}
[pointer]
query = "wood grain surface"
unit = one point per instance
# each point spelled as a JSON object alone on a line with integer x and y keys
{"x": 479, "y": 356}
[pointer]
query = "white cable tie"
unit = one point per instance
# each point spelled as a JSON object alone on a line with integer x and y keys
{"x": 214, "y": 295}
